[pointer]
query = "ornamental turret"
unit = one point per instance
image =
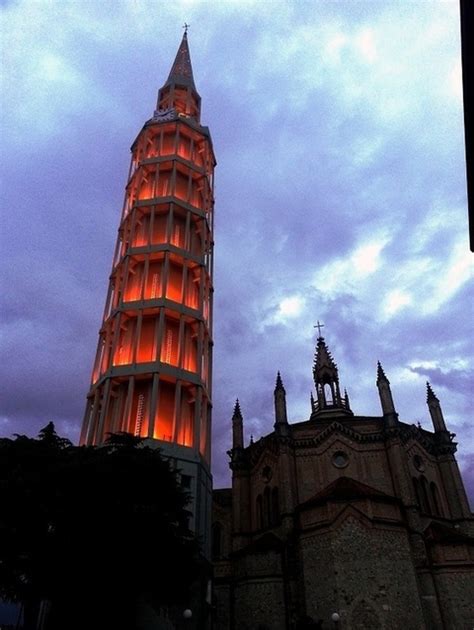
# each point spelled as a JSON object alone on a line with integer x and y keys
{"x": 385, "y": 394}
{"x": 436, "y": 413}
{"x": 281, "y": 417}
{"x": 326, "y": 381}
{"x": 237, "y": 427}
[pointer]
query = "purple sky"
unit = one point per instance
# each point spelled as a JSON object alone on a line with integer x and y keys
{"x": 340, "y": 196}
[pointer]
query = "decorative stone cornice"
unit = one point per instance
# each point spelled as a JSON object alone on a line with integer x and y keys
{"x": 432, "y": 443}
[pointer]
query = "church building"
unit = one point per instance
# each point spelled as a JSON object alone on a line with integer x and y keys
{"x": 343, "y": 521}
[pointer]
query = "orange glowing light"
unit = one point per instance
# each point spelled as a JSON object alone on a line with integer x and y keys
{"x": 146, "y": 347}
{"x": 162, "y": 252}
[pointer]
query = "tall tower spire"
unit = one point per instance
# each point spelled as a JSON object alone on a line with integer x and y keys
{"x": 152, "y": 373}
{"x": 182, "y": 70}
{"x": 179, "y": 92}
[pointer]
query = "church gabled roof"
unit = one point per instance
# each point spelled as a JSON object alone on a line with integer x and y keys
{"x": 347, "y": 489}
{"x": 182, "y": 71}
{"x": 443, "y": 532}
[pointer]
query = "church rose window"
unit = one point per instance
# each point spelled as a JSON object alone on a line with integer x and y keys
{"x": 340, "y": 459}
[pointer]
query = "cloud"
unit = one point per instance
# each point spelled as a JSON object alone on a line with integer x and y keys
{"x": 340, "y": 197}
{"x": 457, "y": 380}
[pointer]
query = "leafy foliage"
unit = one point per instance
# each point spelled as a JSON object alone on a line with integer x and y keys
{"x": 92, "y": 529}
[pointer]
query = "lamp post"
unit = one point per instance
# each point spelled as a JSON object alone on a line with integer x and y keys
{"x": 335, "y": 619}
{"x": 186, "y": 617}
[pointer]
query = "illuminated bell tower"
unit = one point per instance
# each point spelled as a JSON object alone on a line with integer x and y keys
{"x": 152, "y": 372}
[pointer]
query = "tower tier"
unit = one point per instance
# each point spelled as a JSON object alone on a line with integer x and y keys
{"x": 152, "y": 371}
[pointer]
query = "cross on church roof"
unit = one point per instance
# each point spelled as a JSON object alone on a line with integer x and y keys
{"x": 319, "y": 326}
{"x": 186, "y": 26}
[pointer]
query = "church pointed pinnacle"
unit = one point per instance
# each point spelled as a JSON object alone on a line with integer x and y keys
{"x": 323, "y": 357}
{"x": 237, "y": 427}
{"x": 181, "y": 70}
{"x": 280, "y": 404}
{"x": 430, "y": 395}
{"x": 385, "y": 394}
{"x": 436, "y": 412}
{"x": 346, "y": 399}
{"x": 237, "y": 412}
{"x": 279, "y": 383}
{"x": 381, "y": 374}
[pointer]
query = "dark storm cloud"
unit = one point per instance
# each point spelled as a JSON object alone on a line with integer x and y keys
{"x": 457, "y": 380}
{"x": 340, "y": 196}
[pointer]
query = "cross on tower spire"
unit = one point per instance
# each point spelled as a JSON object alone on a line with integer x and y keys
{"x": 186, "y": 26}
{"x": 319, "y": 326}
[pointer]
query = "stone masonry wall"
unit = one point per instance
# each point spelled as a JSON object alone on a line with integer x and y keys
{"x": 260, "y": 603}
{"x": 259, "y": 597}
{"x": 456, "y": 595}
{"x": 364, "y": 573}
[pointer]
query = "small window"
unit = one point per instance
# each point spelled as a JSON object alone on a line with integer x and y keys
{"x": 267, "y": 507}
{"x": 340, "y": 459}
{"x": 259, "y": 511}
{"x": 275, "y": 507}
{"x": 328, "y": 394}
{"x": 435, "y": 499}
{"x": 425, "y": 498}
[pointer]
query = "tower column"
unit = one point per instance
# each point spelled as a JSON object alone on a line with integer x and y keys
{"x": 386, "y": 400}
{"x": 237, "y": 427}
{"x": 157, "y": 314}
{"x": 434, "y": 407}
{"x": 281, "y": 418}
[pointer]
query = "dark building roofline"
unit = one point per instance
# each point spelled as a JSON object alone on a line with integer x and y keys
{"x": 347, "y": 489}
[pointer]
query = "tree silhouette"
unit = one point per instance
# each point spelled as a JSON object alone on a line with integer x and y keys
{"x": 92, "y": 530}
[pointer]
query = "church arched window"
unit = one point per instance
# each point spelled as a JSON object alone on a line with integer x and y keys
{"x": 216, "y": 540}
{"x": 435, "y": 499}
{"x": 425, "y": 495}
{"x": 267, "y": 507}
{"x": 259, "y": 511}
{"x": 328, "y": 394}
{"x": 275, "y": 507}
{"x": 416, "y": 485}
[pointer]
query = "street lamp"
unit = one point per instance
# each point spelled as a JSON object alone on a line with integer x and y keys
{"x": 335, "y": 618}
{"x": 188, "y": 613}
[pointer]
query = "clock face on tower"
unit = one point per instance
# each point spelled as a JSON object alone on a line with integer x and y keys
{"x": 160, "y": 115}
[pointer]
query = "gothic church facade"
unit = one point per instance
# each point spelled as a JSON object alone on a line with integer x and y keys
{"x": 362, "y": 516}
